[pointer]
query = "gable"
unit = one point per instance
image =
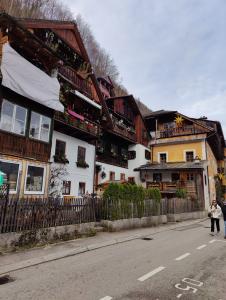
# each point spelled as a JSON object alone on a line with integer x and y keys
{"x": 69, "y": 37}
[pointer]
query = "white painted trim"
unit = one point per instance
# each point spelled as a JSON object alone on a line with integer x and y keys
{"x": 12, "y": 129}
{"x": 189, "y": 150}
{"x": 166, "y": 152}
{"x": 87, "y": 99}
{"x": 16, "y": 163}
{"x": 44, "y": 178}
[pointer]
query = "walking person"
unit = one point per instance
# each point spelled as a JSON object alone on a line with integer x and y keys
{"x": 215, "y": 211}
{"x": 223, "y": 208}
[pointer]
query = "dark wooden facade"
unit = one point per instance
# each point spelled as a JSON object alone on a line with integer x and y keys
{"x": 75, "y": 75}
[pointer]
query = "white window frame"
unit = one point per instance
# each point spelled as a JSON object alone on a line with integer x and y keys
{"x": 163, "y": 153}
{"x": 12, "y": 129}
{"x": 44, "y": 179}
{"x": 19, "y": 170}
{"x": 40, "y": 124}
{"x": 189, "y": 150}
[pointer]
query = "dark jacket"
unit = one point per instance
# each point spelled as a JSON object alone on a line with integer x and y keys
{"x": 223, "y": 208}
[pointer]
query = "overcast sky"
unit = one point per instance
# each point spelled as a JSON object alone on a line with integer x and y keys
{"x": 170, "y": 53}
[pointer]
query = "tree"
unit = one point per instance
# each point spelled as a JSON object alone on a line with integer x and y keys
{"x": 57, "y": 175}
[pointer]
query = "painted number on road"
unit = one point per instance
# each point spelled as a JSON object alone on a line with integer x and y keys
{"x": 188, "y": 285}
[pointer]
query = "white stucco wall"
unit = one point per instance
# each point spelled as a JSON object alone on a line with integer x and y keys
{"x": 137, "y": 162}
{"x": 107, "y": 168}
{"x": 132, "y": 164}
{"x": 75, "y": 174}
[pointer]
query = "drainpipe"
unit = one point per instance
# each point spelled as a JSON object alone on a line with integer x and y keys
{"x": 207, "y": 169}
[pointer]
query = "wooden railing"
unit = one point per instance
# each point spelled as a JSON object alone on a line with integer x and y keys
{"x": 11, "y": 144}
{"x": 173, "y": 186}
{"x": 86, "y": 125}
{"x": 185, "y": 130}
{"x": 108, "y": 159}
{"x": 84, "y": 86}
{"x": 123, "y": 130}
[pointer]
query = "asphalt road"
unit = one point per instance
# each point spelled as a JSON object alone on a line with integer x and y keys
{"x": 184, "y": 263}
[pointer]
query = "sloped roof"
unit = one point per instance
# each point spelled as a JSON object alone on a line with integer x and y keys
{"x": 172, "y": 166}
{"x": 158, "y": 113}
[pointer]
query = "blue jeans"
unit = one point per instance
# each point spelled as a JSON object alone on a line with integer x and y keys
{"x": 224, "y": 228}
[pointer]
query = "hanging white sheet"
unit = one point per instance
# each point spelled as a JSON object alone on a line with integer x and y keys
{"x": 24, "y": 78}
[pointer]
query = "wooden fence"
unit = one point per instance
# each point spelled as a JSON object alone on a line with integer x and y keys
{"x": 30, "y": 214}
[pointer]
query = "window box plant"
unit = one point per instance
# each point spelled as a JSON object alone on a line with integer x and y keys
{"x": 62, "y": 159}
{"x": 82, "y": 164}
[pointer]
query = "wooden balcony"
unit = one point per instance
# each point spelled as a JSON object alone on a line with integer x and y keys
{"x": 185, "y": 130}
{"x": 11, "y": 144}
{"x": 83, "y": 86}
{"x": 123, "y": 131}
{"x": 172, "y": 187}
{"x": 107, "y": 158}
{"x": 75, "y": 127}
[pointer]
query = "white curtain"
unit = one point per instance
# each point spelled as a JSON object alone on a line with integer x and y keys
{"x": 24, "y": 78}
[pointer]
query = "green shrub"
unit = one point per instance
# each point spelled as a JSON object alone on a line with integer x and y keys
{"x": 153, "y": 193}
{"x": 181, "y": 193}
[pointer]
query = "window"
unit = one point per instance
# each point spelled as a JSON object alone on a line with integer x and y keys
{"x": 81, "y": 188}
{"x": 13, "y": 118}
{"x": 157, "y": 177}
{"x": 66, "y": 188}
{"x": 81, "y": 156}
{"x": 131, "y": 180}
{"x": 189, "y": 155}
{"x": 190, "y": 176}
{"x": 39, "y": 127}
{"x": 132, "y": 154}
{"x": 122, "y": 177}
{"x": 60, "y": 148}
{"x": 162, "y": 158}
{"x": 147, "y": 155}
{"x": 175, "y": 177}
{"x": 12, "y": 172}
{"x": 112, "y": 176}
{"x": 34, "y": 180}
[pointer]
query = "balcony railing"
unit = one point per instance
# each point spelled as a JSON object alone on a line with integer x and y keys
{"x": 172, "y": 187}
{"x": 85, "y": 126}
{"x": 185, "y": 130}
{"x": 123, "y": 130}
{"x": 11, "y": 144}
{"x": 117, "y": 160}
{"x": 82, "y": 85}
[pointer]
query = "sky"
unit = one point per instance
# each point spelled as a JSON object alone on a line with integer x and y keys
{"x": 170, "y": 53}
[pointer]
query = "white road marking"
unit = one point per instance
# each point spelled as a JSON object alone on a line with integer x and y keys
{"x": 106, "y": 298}
{"x": 150, "y": 274}
{"x": 179, "y": 295}
{"x": 201, "y": 247}
{"x": 212, "y": 241}
{"x": 182, "y": 256}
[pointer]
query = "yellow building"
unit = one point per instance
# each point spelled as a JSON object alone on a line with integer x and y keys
{"x": 186, "y": 153}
